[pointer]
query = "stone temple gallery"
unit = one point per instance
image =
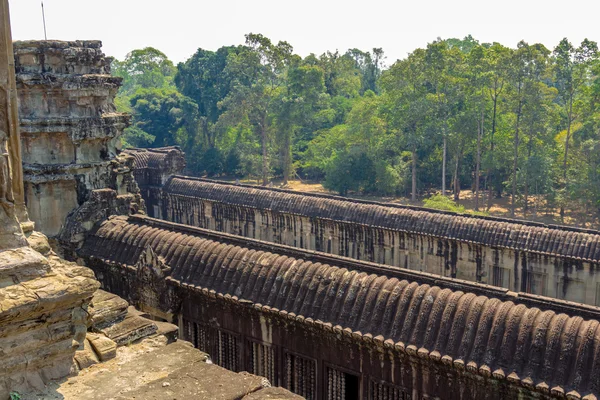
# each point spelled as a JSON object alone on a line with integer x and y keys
{"x": 121, "y": 277}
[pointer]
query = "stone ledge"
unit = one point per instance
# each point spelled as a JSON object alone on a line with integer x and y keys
{"x": 150, "y": 370}
{"x": 272, "y": 393}
{"x": 30, "y": 299}
{"x": 21, "y": 264}
{"x": 78, "y": 128}
{"x": 46, "y": 81}
{"x": 107, "y": 308}
{"x": 129, "y": 330}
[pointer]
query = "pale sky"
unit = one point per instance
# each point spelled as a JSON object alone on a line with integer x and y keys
{"x": 179, "y": 27}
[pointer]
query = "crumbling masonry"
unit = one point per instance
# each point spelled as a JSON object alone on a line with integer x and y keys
{"x": 43, "y": 301}
{"x": 70, "y": 133}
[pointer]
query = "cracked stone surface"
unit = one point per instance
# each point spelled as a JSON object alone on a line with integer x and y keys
{"x": 153, "y": 369}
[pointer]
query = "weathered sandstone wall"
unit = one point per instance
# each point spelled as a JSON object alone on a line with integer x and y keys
{"x": 553, "y": 261}
{"x": 70, "y": 133}
{"x": 43, "y": 301}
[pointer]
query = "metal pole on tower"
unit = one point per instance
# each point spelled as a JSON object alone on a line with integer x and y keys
{"x": 44, "y": 19}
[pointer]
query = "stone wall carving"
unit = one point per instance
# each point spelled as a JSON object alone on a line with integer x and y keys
{"x": 71, "y": 137}
{"x": 523, "y": 256}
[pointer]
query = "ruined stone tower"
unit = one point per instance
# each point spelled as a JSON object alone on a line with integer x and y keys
{"x": 70, "y": 137}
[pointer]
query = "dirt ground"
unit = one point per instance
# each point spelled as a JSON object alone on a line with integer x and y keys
{"x": 500, "y": 207}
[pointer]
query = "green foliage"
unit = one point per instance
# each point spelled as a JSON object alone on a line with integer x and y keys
{"x": 162, "y": 113}
{"x": 457, "y": 114}
{"x": 144, "y": 68}
{"x": 135, "y": 137}
{"x": 444, "y": 203}
{"x": 15, "y": 396}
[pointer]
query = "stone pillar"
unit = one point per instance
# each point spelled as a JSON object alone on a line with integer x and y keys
{"x": 11, "y": 234}
{"x": 12, "y": 118}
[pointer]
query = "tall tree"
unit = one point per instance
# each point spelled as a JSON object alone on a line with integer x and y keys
{"x": 406, "y": 105}
{"x": 165, "y": 114}
{"x": 145, "y": 68}
{"x": 259, "y": 69}
{"x": 298, "y": 102}
{"x": 497, "y": 62}
{"x": 205, "y": 79}
{"x": 441, "y": 73}
{"x": 571, "y": 67}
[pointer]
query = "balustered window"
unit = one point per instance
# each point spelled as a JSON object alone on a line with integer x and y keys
{"x": 198, "y": 335}
{"x": 342, "y": 386}
{"x": 262, "y": 361}
{"x": 301, "y": 376}
{"x": 227, "y": 353}
{"x": 385, "y": 391}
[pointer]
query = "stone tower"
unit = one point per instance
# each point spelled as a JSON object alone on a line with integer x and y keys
{"x": 70, "y": 134}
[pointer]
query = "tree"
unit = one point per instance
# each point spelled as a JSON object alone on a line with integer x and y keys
{"x": 145, "y": 68}
{"x": 571, "y": 67}
{"x": 204, "y": 78}
{"x": 477, "y": 79}
{"x": 496, "y": 63}
{"x": 165, "y": 114}
{"x": 406, "y": 107}
{"x": 257, "y": 70}
{"x": 298, "y": 102}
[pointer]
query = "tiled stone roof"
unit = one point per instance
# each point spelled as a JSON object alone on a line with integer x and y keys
{"x": 561, "y": 241}
{"x": 539, "y": 348}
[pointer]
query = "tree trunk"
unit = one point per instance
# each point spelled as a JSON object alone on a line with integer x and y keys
{"x": 414, "y": 175}
{"x": 562, "y": 206}
{"x": 265, "y": 161}
{"x": 286, "y": 160}
{"x": 478, "y": 161}
{"x": 525, "y": 195}
{"x": 515, "y": 164}
{"x": 489, "y": 176}
{"x": 444, "y": 164}
{"x": 456, "y": 177}
{"x": 535, "y": 201}
{"x": 526, "y": 189}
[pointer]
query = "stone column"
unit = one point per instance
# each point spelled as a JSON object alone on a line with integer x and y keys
{"x": 10, "y": 116}
{"x": 11, "y": 234}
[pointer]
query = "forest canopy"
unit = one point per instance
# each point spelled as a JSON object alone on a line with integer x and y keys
{"x": 458, "y": 114}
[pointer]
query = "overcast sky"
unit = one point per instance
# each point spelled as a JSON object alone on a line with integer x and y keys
{"x": 179, "y": 27}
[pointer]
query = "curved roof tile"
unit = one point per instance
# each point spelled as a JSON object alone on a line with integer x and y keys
{"x": 151, "y": 158}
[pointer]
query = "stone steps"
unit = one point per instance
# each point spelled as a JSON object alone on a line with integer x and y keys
{"x": 106, "y": 309}
{"x": 115, "y": 323}
{"x": 130, "y": 329}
